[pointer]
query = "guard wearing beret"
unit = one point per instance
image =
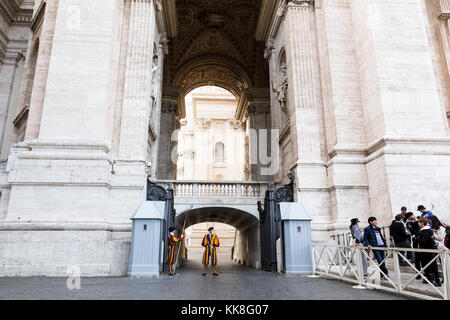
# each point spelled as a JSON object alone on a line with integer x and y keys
{"x": 210, "y": 243}
{"x": 171, "y": 252}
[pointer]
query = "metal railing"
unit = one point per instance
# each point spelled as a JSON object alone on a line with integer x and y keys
{"x": 347, "y": 239}
{"x": 345, "y": 263}
{"x": 237, "y": 189}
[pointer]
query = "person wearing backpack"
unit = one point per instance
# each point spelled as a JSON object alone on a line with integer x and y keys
{"x": 426, "y": 241}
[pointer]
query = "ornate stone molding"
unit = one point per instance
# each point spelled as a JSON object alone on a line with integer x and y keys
{"x": 271, "y": 15}
{"x": 169, "y": 106}
{"x": 253, "y": 101}
{"x": 38, "y": 17}
{"x": 203, "y": 123}
{"x": 258, "y": 108}
{"x": 169, "y": 11}
{"x": 212, "y": 73}
{"x": 235, "y": 124}
{"x": 164, "y": 43}
{"x": 15, "y": 12}
{"x": 155, "y": 192}
{"x": 444, "y": 12}
{"x": 270, "y": 48}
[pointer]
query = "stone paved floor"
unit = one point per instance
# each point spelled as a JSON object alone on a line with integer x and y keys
{"x": 235, "y": 282}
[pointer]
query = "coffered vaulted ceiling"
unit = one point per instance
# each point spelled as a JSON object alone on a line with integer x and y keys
{"x": 215, "y": 45}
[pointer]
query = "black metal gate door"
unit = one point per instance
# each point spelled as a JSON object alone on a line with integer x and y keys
{"x": 158, "y": 193}
{"x": 270, "y": 222}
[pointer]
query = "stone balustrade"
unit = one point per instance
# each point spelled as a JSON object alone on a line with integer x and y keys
{"x": 230, "y": 189}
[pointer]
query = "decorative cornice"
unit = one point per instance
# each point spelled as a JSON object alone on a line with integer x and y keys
{"x": 14, "y": 12}
{"x": 168, "y": 105}
{"x": 265, "y": 18}
{"x": 258, "y": 108}
{"x": 169, "y": 12}
{"x": 271, "y": 16}
{"x": 444, "y": 10}
{"x": 22, "y": 116}
{"x": 253, "y": 101}
{"x": 38, "y": 17}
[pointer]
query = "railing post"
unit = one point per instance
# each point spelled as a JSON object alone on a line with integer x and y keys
{"x": 238, "y": 190}
{"x": 446, "y": 272}
{"x": 195, "y": 190}
{"x": 396, "y": 268}
{"x": 314, "y": 262}
{"x": 341, "y": 273}
{"x": 359, "y": 268}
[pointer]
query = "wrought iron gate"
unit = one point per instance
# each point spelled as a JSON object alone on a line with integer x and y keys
{"x": 158, "y": 193}
{"x": 270, "y": 222}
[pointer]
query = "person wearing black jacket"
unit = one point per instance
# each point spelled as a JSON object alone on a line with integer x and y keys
{"x": 374, "y": 238}
{"x": 426, "y": 241}
{"x": 413, "y": 227}
{"x": 398, "y": 232}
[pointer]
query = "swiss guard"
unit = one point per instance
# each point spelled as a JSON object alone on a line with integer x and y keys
{"x": 210, "y": 243}
{"x": 171, "y": 252}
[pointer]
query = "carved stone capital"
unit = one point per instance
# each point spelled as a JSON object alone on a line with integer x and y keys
{"x": 284, "y": 5}
{"x": 234, "y": 124}
{"x": 444, "y": 12}
{"x": 158, "y": 5}
{"x": 258, "y": 108}
{"x": 300, "y": 2}
{"x": 203, "y": 123}
{"x": 169, "y": 106}
{"x": 164, "y": 44}
{"x": 270, "y": 48}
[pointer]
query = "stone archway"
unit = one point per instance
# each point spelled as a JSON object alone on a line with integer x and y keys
{"x": 215, "y": 45}
{"x": 246, "y": 249}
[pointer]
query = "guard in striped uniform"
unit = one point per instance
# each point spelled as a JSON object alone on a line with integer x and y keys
{"x": 210, "y": 243}
{"x": 171, "y": 252}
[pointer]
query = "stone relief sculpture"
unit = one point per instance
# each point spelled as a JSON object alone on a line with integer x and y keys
{"x": 155, "y": 81}
{"x": 282, "y": 89}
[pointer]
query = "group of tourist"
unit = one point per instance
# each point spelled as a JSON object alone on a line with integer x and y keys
{"x": 425, "y": 231}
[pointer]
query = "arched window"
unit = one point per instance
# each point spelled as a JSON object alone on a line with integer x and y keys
{"x": 219, "y": 152}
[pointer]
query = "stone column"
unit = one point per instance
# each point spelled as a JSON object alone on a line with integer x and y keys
{"x": 444, "y": 18}
{"x": 408, "y": 162}
{"x": 66, "y": 174}
{"x": 10, "y": 76}
{"x": 137, "y": 102}
{"x": 46, "y": 32}
{"x": 167, "y": 139}
{"x": 444, "y": 24}
{"x": 259, "y": 117}
{"x": 304, "y": 97}
{"x": 343, "y": 112}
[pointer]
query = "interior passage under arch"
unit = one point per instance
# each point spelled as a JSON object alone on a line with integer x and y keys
{"x": 246, "y": 249}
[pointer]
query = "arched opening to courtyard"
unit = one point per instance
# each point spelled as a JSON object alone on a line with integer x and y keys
{"x": 237, "y": 229}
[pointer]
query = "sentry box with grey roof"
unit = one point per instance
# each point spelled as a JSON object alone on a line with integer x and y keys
{"x": 296, "y": 239}
{"x": 146, "y": 245}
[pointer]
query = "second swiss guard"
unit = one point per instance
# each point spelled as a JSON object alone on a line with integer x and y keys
{"x": 210, "y": 243}
{"x": 171, "y": 252}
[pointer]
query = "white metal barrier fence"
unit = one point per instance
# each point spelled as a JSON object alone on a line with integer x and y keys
{"x": 346, "y": 263}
